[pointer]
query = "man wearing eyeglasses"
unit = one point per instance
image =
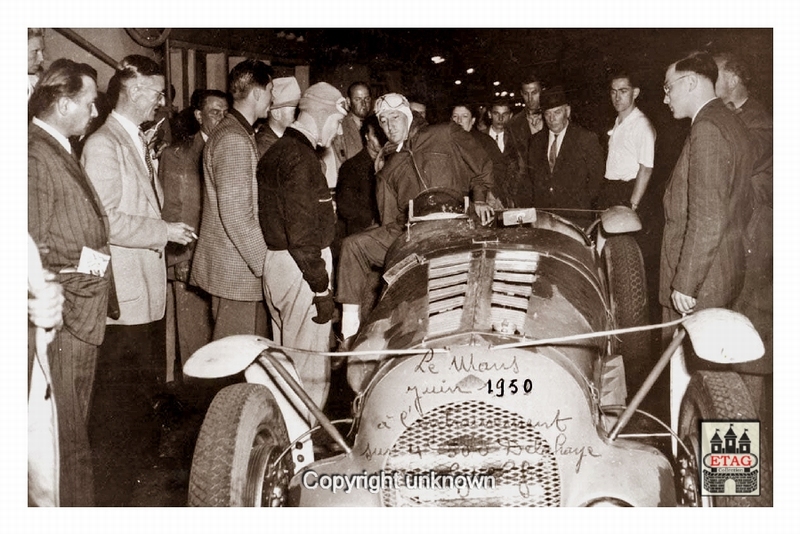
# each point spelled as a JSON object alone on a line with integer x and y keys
{"x": 708, "y": 199}
{"x": 120, "y": 164}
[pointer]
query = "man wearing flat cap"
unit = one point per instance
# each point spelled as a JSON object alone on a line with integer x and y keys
{"x": 416, "y": 158}
{"x": 565, "y": 162}
{"x": 285, "y": 97}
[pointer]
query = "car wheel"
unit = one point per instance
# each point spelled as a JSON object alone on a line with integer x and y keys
{"x": 722, "y": 396}
{"x": 628, "y": 292}
{"x": 236, "y": 458}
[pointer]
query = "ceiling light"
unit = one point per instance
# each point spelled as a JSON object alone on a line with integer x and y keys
{"x": 497, "y": 93}
{"x": 504, "y": 93}
{"x": 437, "y": 59}
{"x": 458, "y": 82}
{"x": 496, "y": 84}
{"x": 511, "y": 95}
{"x": 470, "y": 70}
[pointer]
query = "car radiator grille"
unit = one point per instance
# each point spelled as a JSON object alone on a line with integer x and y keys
{"x": 433, "y": 459}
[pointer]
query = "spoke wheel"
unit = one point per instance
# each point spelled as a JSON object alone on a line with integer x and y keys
{"x": 237, "y": 459}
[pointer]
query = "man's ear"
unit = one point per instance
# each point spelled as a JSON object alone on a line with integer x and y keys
{"x": 63, "y": 105}
{"x": 198, "y": 117}
{"x": 569, "y": 110}
{"x": 635, "y": 93}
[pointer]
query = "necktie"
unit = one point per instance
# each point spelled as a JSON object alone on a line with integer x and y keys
{"x": 147, "y": 160}
{"x": 731, "y": 106}
{"x": 551, "y": 158}
{"x": 150, "y": 170}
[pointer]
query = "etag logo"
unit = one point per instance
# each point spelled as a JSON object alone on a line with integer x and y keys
{"x": 730, "y": 457}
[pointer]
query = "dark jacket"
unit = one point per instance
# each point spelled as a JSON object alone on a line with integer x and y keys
{"x": 576, "y": 177}
{"x": 64, "y": 215}
{"x": 181, "y": 173}
{"x": 707, "y": 204}
{"x": 510, "y": 186}
{"x": 295, "y": 206}
{"x": 356, "y": 203}
{"x": 440, "y": 156}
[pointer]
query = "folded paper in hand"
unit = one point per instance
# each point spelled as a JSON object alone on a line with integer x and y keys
{"x": 93, "y": 262}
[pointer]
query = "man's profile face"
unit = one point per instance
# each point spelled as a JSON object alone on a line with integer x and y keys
{"x": 82, "y": 108}
{"x": 35, "y": 55}
{"x": 264, "y": 100}
{"x": 676, "y": 89}
{"x": 360, "y": 101}
{"x": 284, "y": 116}
{"x": 500, "y": 116}
{"x": 395, "y": 125}
{"x": 150, "y": 96}
{"x": 214, "y": 110}
{"x": 623, "y": 95}
{"x": 530, "y": 94}
{"x": 331, "y": 128}
{"x": 557, "y": 118}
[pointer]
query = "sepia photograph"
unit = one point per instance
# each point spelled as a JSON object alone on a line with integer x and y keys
{"x": 402, "y": 264}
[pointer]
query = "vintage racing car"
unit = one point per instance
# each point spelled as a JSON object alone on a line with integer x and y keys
{"x": 490, "y": 373}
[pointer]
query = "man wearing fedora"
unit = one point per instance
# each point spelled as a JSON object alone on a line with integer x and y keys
{"x": 565, "y": 162}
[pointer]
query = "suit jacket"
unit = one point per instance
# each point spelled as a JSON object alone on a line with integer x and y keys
{"x": 511, "y": 186}
{"x": 181, "y": 175}
{"x": 64, "y": 215}
{"x": 229, "y": 256}
{"x": 576, "y": 177}
{"x": 707, "y": 204}
{"x": 138, "y": 235}
{"x": 520, "y": 134}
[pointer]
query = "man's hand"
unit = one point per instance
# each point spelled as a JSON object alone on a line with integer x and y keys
{"x": 46, "y": 306}
{"x": 485, "y": 212}
{"x": 181, "y": 233}
{"x": 325, "y": 307}
{"x": 683, "y": 303}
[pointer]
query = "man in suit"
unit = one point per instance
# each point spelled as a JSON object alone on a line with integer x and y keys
{"x": 67, "y": 221}
{"x": 565, "y": 162}
{"x": 181, "y": 176}
{"x": 229, "y": 257}
{"x": 524, "y": 125}
{"x": 708, "y": 199}
{"x": 511, "y": 186}
{"x": 119, "y": 163}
